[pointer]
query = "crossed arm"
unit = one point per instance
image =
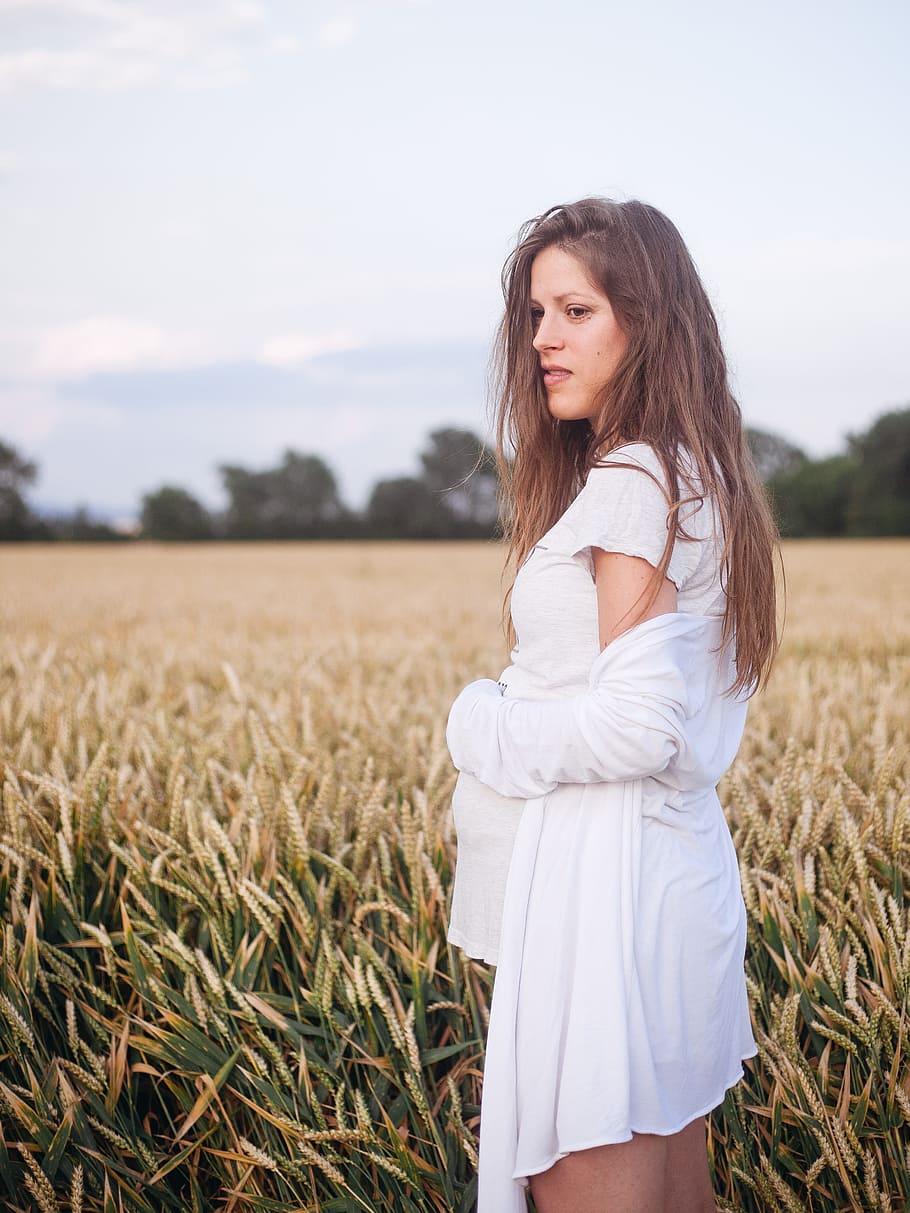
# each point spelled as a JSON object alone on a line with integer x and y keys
{"x": 627, "y": 725}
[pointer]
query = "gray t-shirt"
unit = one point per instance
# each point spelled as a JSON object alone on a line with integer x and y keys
{"x": 554, "y": 609}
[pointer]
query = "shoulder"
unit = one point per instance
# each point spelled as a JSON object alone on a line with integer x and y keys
{"x": 636, "y": 469}
{"x": 624, "y": 495}
{"x": 633, "y": 468}
{"x": 643, "y": 455}
{"x": 625, "y": 506}
{"x": 631, "y": 452}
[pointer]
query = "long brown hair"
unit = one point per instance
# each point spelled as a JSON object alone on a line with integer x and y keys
{"x": 670, "y": 389}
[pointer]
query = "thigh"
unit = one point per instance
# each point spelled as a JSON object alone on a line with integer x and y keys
{"x": 627, "y": 1175}
{"x": 688, "y": 1187}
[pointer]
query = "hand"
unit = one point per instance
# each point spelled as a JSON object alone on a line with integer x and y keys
{"x": 458, "y": 725}
{"x": 472, "y": 735}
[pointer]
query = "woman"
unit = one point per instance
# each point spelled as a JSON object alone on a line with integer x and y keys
{"x": 595, "y": 865}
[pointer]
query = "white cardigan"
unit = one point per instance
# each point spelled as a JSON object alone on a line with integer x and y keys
{"x": 579, "y": 1034}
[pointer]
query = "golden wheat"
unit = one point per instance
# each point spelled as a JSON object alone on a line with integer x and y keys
{"x": 226, "y": 852}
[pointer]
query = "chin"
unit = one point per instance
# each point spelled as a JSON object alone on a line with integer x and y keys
{"x": 564, "y": 412}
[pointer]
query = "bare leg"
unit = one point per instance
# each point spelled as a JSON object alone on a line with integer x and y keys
{"x": 626, "y": 1177}
{"x": 688, "y": 1179}
{"x": 649, "y": 1174}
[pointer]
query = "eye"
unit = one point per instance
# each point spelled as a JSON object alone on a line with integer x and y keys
{"x": 577, "y": 312}
{"x": 536, "y": 316}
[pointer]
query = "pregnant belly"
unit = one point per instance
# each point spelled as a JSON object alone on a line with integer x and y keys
{"x": 485, "y": 821}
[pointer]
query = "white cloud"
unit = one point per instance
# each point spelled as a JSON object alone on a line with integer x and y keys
{"x": 99, "y": 343}
{"x": 294, "y": 349}
{"x": 337, "y": 32}
{"x": 108, "y": 343}
{"x": 71, "y": 69}
{"x": 283, "y": 44}
{"x": 109, "y": 45}
{"x": 219, "y": 69}
{"x": 811, "y": 252}
{"x": 28, "y": 412}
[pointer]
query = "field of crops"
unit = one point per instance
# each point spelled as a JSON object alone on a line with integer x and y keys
{"x": 226, "y": 854}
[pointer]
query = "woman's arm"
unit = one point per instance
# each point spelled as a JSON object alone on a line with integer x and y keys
{"x": 630, "y": 722}
{"x": 621, "y": 583}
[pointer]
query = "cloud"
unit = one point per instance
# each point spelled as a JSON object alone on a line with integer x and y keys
{"x": 33, "y": 417}
{"x": 29, "y": 413}
{"x": 109, "y": 436}
{"x": 363, "y": 375}
{"x": 113, "y": 45}
{"x": 108, "y": 45}
{"x": 107, "y": 343}
{"x": 283, "y": 44}
{"x": 295, "y": 349}
{"x": 337, "y": 32}
{"x": 815, "y": 253}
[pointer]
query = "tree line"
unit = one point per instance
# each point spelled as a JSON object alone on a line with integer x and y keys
{"x": 452, "y": 496}
{"x": 863, "y": 491}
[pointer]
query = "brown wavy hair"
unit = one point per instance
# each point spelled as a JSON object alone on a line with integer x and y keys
{"x": 670, "y": 389}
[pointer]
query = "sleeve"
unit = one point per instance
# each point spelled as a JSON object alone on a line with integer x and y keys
{"x": 631, "y": 723}
{"x": 622, "y": 509}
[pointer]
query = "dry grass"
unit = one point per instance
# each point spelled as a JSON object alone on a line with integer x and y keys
{"x": 225, "y": 857}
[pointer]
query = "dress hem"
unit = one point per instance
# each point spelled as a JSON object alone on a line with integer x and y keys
{"x": 474, "y": 951}
{"x": 538, "y": 1170}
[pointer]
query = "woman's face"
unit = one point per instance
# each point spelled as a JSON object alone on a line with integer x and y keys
{"x": 576, "y": 335}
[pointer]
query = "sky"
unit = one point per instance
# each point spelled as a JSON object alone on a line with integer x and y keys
{"x": 234, "y": 227}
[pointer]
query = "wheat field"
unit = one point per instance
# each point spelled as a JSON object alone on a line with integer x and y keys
{"x": 226, "y": 854}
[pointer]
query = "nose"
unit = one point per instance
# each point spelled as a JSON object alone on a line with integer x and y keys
{"x": 547, "y": 336}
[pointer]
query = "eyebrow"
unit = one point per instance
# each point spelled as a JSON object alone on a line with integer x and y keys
{"x": 568, "y": 295}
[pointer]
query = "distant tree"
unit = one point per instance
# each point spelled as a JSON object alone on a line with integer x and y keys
{"x": 173, "y": 513}
{"x": 297, "y": 500}
{"x": 880, "y": 500}
{"x": 405, "y": 508}
{"x": 16, "y": 519}
{"x": 247, "y": 501}
{"x": 773, "y": 454}
{"x": 811, "y": 499}
{"x": 305, "y": 492}
{"x": 80, "y": 527}
{"x": 461, "y": 470}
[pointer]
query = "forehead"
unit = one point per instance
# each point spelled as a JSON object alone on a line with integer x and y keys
{"x": 556, "y": 272}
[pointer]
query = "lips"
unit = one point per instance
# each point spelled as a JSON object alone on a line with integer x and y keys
{"x": 553, "y": 375}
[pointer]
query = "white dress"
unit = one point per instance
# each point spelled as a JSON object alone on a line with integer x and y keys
{"x": 613, "y": 904}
